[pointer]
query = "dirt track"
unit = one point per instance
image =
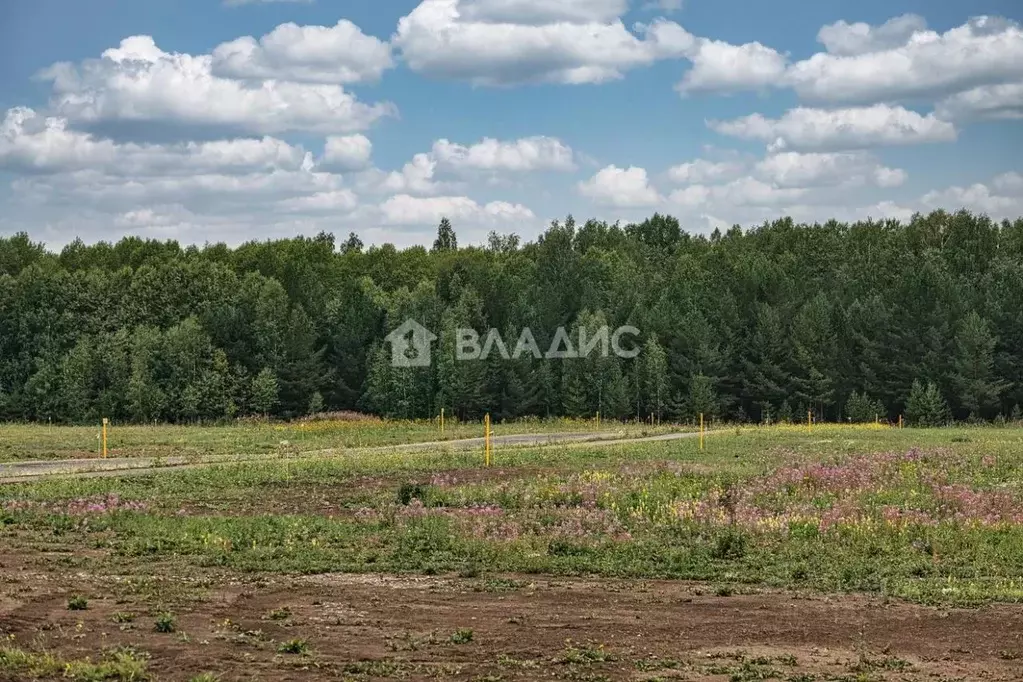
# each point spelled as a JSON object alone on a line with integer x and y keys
{"x": 14, "y": 472}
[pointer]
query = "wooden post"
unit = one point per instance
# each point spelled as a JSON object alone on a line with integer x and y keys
{"x": 105, "y": 422}
{"x": 442, "y": 420}
{"x": 598, "y": 420}
{"x": 809, "y": 421}
{"x": 900, "y": 421}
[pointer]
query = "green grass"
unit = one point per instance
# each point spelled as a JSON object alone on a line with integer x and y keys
{"x": 44, "y": 442}
{"x": 119, "y": 665}
{"x": 731, "y": 514}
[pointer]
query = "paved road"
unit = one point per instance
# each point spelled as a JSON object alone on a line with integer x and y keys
{"x": 14, "y": 472}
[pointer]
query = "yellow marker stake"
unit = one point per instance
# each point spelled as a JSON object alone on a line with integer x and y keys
{"x": 598, "y": 419}
{"x": 486, "y": 437}
{"x": 442, "y": 420}
{"x": 105, "y": 422}
{"x": 701, "y": 431}
{"x": 900, "y": 421}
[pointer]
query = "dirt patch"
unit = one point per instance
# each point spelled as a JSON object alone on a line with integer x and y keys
{"x": 497, "y": 627}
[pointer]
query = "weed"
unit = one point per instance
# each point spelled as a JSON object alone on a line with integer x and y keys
{"x": 165, "y": 623}
{"x": 281, "y": 613}
{"x": 77, "y": 603}
{"x": 294, "y": 646}
{"x": 462, "y": 636}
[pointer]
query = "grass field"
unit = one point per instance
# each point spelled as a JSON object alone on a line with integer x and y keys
{"x": 299, "y": 569}
{"x": 40, "y": 441}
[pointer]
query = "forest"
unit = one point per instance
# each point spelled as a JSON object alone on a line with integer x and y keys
{"x": 850, "y": 321}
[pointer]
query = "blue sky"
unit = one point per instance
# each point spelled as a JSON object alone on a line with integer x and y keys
{"x": 203, "y": 120}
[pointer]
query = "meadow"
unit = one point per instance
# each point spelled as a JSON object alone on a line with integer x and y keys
{"x": 922, "y": 519}
{"x": 19, "y": 442}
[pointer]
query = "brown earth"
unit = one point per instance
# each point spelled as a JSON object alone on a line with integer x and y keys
{"x": 522, "y": 628}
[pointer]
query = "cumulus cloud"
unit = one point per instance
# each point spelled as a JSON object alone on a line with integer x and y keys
{"x": 720, "y": 67}
{"x": 317, "y": 54}
{"x": 1003, "y": 101}
{"x": 703, "y": 171}
{"x": 621, "y": 187}
{"x": 138, "y": 81}
{"x": 539, "y": 12}
{"x": 403, "y": 209}
{"x": 346, "y": 152}
{"x": 903, "y": 61}
{"x": 745, "y": 191}
{"x": 526, "y": 41}
{"x": 794, "y": 169}
{"x": 978, "y": 197}
{"x": 845, "y": 39}
{"x": 522, "y": 155}
{"x": 30, "y": 142}
{"x": 836, "y": 129}
{"x": 415, "y": 177}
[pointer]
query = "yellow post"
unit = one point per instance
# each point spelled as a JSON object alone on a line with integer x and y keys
{"x": 701, "y": 431}
{"x": 105, "y": 422}
{"x": 598, "y": 419}
{"x": 442, "y": 420}
{"x": 486, "y": 437}
{"x": 877, "y": 419}
{"x": 900, "y": 421}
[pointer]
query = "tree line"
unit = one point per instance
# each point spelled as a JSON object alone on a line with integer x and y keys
{"x": 848, "y": 321}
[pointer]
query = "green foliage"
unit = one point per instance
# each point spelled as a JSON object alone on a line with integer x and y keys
{"x": 77, "y": 603}
{"x": 264, "y": 391}
{"x": 462, "y": 636}
{"x": 165, "y": 623}
{"x": 926, "y": 406}
{"x": 735, "y": 325}
{"x": 860, "y": 409}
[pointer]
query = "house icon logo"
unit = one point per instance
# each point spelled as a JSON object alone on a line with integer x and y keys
{"x": 410, "y": 345}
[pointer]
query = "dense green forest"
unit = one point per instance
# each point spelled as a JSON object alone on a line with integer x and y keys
{"x": 923, "y": 319}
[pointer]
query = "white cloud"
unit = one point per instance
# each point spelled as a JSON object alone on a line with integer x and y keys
{"x": 985, "y": 102}
{"x": 622, "y": 187}
{"x": 745, "y": 191}
{"x": 845, "y": 39}
{"x": 440, "y": 38}
{"x": 316, "y": 54}
{"x": 30, "y": 142}
{"x": 522, "y": 155}
{"x": 139, "y": 82}
{"x": 854, "y": 128}
{"x": 1009, "y": 183}
{"x": 415, "y": 177}
{"x": 983, "y": 51}
{"x": 979, "y": 198}
{"x": 408, "y": 210}
{"x": 538, "y": 12}
{"x": 702, "y": 171}
{"x": 815, "y": 169}
{"x": 346, "y": 152}
{"x": 720, "y": 66}
{"x": 335, "y": 201}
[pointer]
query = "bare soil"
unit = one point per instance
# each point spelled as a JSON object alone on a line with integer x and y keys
{"x": 522, "y": 628}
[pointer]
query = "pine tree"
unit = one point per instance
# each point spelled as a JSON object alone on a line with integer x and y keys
{"x": 860, "y": 409}
{"x": 702, "y": 398}
{"x": 974, "y": 376}
{"x": 446, "y": 239}
{"x": 926, "y": 406}
{"x": 315, "y": 404}
{"x": 264, "y": 392}
{"x": 655, "y": 377}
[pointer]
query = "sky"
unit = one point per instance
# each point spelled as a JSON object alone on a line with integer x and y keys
{"x": 233, "y": 120}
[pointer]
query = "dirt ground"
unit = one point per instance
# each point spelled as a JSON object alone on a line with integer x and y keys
{"x": 522, "y": 628}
